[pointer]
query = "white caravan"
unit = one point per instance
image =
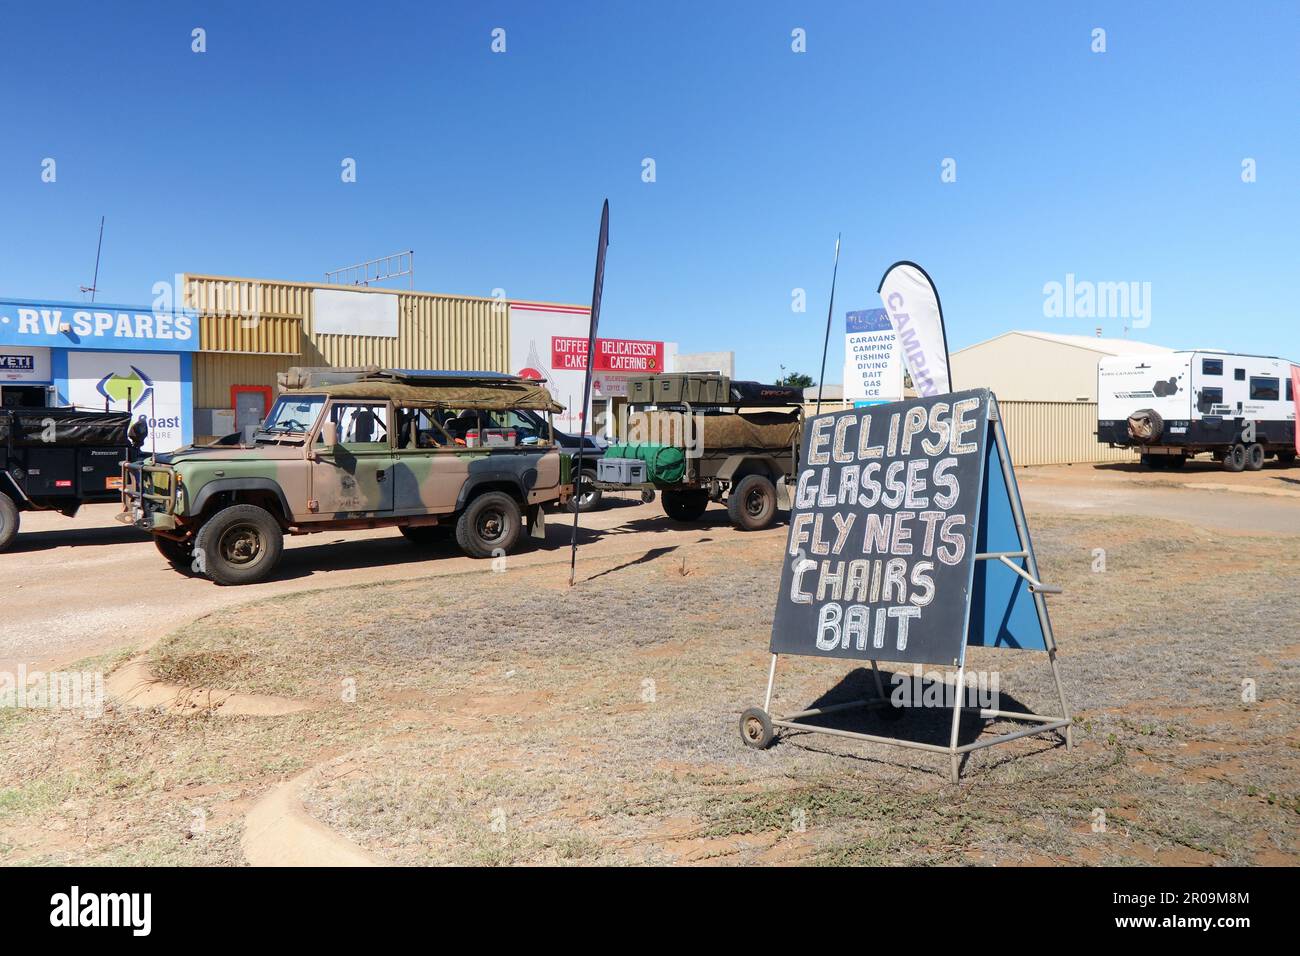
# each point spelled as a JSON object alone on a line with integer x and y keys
{"x": 1240, "y": 408}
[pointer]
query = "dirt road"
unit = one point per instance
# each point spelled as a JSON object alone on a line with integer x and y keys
{"x": 1202, "y": 495}
{"x": 83, "y": 586}
{"x": 86, "y": 585}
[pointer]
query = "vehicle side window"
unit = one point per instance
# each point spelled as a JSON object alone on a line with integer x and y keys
{"x": 1239, "y": 374}
{"x": 528, "y": 430}
{"x": 1264, "y": 389}
{"x": 1290, "y": 393}
{"x": 1211, "y": 366}
{"x": 361, "y": 423}
{"x": 420, "y": 428}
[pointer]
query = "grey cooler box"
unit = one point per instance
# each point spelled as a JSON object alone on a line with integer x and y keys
{"x": 621, "y": 471}
{"x": 704, "y": 388}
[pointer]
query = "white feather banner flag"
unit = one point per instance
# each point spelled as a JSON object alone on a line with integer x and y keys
{"x": 912, "y": 304}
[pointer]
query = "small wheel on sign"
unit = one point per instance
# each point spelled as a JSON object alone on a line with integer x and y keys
{"x": 756, "y": 728}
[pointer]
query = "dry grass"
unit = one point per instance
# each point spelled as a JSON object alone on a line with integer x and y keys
{"x": 503, "y": 718}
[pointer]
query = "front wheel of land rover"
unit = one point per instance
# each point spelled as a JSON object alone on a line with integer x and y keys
{"x": 241, "y": 544}
{"x": 489, "y": 526}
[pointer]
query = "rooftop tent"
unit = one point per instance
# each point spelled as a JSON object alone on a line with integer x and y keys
{"x": 301, "y": 377}
{"x": 463, "y": 393}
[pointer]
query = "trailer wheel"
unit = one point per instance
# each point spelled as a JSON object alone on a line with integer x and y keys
{"x": 752, "y": 503}
{"x": 1176, "y": 462}
{"x": 1155, "y": 462}
{"x": 1254, "y": 457}
{"x": 180, "y": 555}
{"x": 490, "y": 525}
{"x": 9, "y": 521}
{"x": 756, "y": 728}
{"x": 241, "y": 544}
{"x": 1235, "y": 458}
{"x": 685, "y": 505}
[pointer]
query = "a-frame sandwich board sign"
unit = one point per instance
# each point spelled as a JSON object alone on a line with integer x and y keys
{"x": 908, "y": 543}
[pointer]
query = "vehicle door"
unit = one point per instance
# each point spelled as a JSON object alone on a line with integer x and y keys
{"x": 429, "y": 464}
{"x": 353, "y": 478}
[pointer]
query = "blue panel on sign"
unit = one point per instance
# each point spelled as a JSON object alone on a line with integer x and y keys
{"x": 1003, "y": 613}
{"x": 81, "y": 325}
{"x": 867, "y": 320}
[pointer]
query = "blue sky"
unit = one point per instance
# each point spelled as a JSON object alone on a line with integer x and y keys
{"x": 1123, "y": 166}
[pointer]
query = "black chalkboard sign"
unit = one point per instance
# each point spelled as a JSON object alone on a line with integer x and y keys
{"x": 881, "y": 555}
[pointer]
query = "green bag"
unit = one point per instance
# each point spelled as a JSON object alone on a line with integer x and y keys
{"x": 664, "y": 464}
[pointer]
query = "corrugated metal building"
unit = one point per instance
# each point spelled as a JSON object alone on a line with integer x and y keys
{"x": 1039, "y": 366}
{"x": 250, "y": 329}
{"x": 1040, "y": 433}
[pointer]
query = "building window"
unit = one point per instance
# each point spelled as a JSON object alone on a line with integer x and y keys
{"x": 1211, "y": 366}
{"x": 1263, "y": 389}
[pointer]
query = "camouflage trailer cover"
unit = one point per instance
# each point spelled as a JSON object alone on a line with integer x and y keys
{"x": 767, "y": 431}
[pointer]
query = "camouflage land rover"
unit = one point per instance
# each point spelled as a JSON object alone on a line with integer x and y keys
{"x": 432, "y": 454}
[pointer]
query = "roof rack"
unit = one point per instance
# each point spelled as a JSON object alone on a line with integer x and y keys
{"x": 300, "y": 377}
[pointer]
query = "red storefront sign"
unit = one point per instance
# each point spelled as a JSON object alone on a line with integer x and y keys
{"x": 612, "y": 355}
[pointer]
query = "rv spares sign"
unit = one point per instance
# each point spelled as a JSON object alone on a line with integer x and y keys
{"x": 880, "y": 557}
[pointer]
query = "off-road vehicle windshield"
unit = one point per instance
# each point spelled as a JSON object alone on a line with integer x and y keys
{"x": 293, "y": 413}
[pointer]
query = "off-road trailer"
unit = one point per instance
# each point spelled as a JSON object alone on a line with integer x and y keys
{"x": 1239, "y": 408}
{"x": 746, "y": 458}
{"x": 57, "y": 459}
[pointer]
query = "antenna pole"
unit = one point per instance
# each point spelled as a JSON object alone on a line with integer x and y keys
{"x": 94, "y": 283}
{"x": 830, "y": 312}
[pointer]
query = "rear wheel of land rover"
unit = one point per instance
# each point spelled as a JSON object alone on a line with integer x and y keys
{"x": 179, "y": 555}
{"x": 241, "y": 544}
{"x": 752, "y": 503}
{"x": 1235, "y": 458}
{"x": 489, "y": 526}
{"x": 685, "y": 505}
{"x": 8, "y": 521}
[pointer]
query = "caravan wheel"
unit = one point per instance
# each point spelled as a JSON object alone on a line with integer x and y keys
{"x": 1254, "y": 457}
{"x": 1235, "y": 458}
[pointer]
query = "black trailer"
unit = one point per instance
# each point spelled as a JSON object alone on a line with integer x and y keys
{"x": 57, "y": 459}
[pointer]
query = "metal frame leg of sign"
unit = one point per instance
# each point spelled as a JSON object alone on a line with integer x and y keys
{"x": 758, "y": 727}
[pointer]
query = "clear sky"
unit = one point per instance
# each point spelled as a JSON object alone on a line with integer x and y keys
{"x": 1122, "y": 166}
